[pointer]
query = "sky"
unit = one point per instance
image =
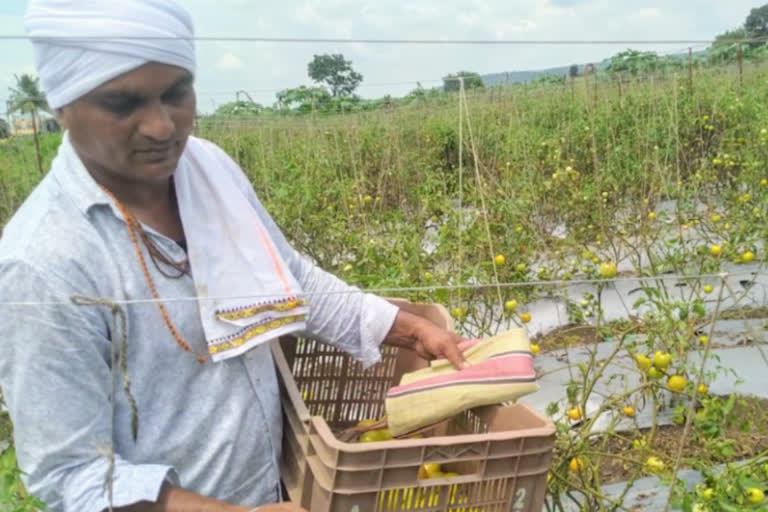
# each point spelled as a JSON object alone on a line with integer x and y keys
{"x": 264, "y": 68}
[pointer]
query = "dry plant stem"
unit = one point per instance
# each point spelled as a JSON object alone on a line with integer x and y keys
{"x": 591, "y": 492}
{"x": 480, "y": 187}
{"x": 461, "y": 188}
{"x": 699, "y": 380}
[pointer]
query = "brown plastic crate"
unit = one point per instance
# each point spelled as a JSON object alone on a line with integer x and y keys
{"x": 503, "y": 453}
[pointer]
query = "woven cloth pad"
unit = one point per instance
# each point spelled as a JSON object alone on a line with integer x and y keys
{"x": 500, "y": 370}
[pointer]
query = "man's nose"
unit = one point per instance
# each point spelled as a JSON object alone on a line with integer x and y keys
{"x": 157, "y": 123}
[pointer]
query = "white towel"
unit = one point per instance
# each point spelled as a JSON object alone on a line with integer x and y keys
{"x": 231, "y": 254}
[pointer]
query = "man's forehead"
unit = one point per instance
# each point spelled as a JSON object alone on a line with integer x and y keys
{"x": 147, "y": 80}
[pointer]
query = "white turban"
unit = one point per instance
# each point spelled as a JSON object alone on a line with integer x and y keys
{"x": 82, "y": 44}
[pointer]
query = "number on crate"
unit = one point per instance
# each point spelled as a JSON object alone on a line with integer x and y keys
{"x": 519, "y": 505}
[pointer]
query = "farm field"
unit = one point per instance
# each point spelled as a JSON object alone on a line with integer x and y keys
{"x": 623, "y": 223}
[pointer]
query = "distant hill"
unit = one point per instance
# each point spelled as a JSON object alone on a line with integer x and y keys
{"x": 517, "y": 77}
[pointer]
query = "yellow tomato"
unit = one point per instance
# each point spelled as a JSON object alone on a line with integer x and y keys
{"x": 576, "y": 465}
{"x": 708, "y": 288}
{"x": 429, "y": 470}
{"x": 677, "y": 383}
{"x": 755, "y": 495}
{"x": 702, "y": 389}
{"x": 499, "y": 259}
{"x": 651, "y": 215}
{"x": 748, "y": 256}
{"x": 535, "y": 348}
{"x": 643, "y": 361}
{"x": 661, "y": 360}
{"x": 629, "y": 411}
{"x": 525, "y": 318}
{"x": 510, "y": 305}
{"x": 715, "y": 250}
{"x": 654, "y": 373}
{"x": 374, "y": 436}
{"x": 575, "y": 413}
{"x": 654, "y": 465}
{"x": 608, "y": 270}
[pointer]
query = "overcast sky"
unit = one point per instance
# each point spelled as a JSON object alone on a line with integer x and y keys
{"x": 262, "y": 69}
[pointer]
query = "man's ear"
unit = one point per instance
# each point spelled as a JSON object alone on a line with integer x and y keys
{"x": 62, "y": 116}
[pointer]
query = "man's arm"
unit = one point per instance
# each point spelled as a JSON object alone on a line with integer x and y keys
{"x": 55, "y": 376}
{"x": 341, "y": 314}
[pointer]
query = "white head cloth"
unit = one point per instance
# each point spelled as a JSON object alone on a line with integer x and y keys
{"x": 81, "y": 44}
{"x": 78, "y": 47}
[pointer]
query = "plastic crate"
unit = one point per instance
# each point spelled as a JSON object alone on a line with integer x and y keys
{"x": 503, "y": 453}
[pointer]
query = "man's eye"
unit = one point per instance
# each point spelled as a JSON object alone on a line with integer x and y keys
{"x": 122, "y": 107}
{"x": 176, "y": 95}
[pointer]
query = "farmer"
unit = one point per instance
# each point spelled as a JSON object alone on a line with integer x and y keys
{"x": 135, "y": 208}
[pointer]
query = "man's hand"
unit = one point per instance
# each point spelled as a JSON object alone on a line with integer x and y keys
{"x": 425, "y": 338}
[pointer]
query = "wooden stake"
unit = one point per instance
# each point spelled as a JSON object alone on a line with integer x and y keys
{"x": 741, "y": 66}
{"x": 690, "y": 68}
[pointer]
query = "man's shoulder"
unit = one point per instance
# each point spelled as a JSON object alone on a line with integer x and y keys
{"x": 48, "y": 232}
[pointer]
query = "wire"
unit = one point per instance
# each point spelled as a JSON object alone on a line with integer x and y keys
{"x": 258, "y": 39}
{"x": 431, "y": 288}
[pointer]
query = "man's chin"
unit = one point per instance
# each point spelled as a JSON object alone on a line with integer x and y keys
{"x": 159, "y": 170}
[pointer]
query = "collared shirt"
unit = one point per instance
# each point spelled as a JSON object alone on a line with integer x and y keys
{"x": 212, "y": 428}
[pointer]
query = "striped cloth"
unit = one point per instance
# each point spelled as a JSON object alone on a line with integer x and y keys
{"x": 500, "y": 370}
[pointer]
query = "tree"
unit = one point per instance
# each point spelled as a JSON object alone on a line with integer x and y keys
{"x": 756, "y": 23}
{"x": 336, "y": 73}
{"x": 472, "y": 80}
{"x": 730, "y": 37}
{"x": 632, "y": 62}
{"x": 27, "y": 98}
{"x": 239, "y": 108}
{"x": 5, "y": 130}
{"x": 573, "y": 71}
{"x": 303, "y": 99}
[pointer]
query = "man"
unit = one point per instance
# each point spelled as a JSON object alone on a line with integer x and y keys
{"x": 135, "y": 208}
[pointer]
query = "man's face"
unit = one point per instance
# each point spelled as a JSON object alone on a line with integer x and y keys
{"x": 134, "y": 128}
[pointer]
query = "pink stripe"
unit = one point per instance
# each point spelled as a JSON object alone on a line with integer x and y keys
{"x": 511, "y": 366}
{"x": 275, "y": 261}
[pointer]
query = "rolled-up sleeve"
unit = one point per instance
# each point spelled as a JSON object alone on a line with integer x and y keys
{"x": 55, "y": 377}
